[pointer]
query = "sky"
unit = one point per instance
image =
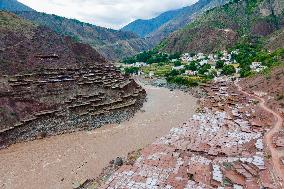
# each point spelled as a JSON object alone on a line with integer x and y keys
{"x": 107, "y": 13}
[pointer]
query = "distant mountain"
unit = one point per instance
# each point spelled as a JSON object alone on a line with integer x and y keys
{"x": 112, "y": 44}
{"x": 186, "y": 16}
{"x": 168, "y": 22}
{"x": 222, "y": 27}
{"x": 13, "y": 5}
{"x": 145, "y": 27}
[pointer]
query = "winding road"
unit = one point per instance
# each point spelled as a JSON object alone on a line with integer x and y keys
{"x": 276, "y": 154}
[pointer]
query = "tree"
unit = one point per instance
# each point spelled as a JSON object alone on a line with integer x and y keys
{"x": 177, "y": 63}
{"x": 192, "y": 66}
{"x": 245, "y": 72}
{"x": 204, "y": 69}
{"x": 229, "y": 70}
{"x": 173, "y": 73}
{"x": 220, "y": 64}
{"x": 174, "y": 56}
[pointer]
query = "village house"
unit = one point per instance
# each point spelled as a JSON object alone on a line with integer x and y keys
{"x": 190, "y": 72}
{"x": 186, "y": 57}
{"x": 257, "y": 67}
{"x": 139, "y": 64}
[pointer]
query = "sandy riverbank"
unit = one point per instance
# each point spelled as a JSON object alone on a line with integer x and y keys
{"x": 58, "y": 161}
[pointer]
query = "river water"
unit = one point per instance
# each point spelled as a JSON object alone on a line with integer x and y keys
{"x": 57, "y": 162}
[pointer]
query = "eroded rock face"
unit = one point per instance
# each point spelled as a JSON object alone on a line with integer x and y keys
{"x": 50, "y": 84}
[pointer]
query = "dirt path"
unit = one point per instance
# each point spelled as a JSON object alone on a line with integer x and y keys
{"x": 277, "y": 127}
{"x": 58, "y": 161}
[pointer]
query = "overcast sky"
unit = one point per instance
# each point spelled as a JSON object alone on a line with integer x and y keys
{"x": 107, "y": 13}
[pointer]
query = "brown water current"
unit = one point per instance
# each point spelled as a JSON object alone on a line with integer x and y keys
{"x": 58, "y": 161}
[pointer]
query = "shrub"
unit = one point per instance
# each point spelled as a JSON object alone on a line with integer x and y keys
{"x": 180, "y": 80}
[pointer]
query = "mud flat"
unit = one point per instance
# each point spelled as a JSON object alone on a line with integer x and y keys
{"x": 59, "y": 161}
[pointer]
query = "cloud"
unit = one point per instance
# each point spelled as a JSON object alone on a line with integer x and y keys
{"x": 107, "y": 13}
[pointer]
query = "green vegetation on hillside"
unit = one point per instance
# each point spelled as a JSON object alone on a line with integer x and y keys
{"x": 248, "y": 53}
{"x": 150, "y": 57}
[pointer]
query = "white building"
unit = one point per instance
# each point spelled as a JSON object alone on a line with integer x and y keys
{"x": 189, "y": 72}
{"x": 139, "y": 64}
{"x": 178, "y": 67}
{"x": 203, "y": 62}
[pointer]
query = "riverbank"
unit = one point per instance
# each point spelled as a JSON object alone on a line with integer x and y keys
{"x": 59, "y": 161}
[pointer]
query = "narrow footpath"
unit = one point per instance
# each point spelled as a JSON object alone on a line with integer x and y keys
{"x": 276, "y": 154}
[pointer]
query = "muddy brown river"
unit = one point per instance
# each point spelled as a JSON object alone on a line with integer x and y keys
{"x": 59, "y": 161}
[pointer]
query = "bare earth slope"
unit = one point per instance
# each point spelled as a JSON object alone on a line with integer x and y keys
{"x": 271, "y": 86}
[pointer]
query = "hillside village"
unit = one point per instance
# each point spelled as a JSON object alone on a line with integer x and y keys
{"x": 200, "y": 67}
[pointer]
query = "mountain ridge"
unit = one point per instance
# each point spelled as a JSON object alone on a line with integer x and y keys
{"x": 222, "y": 27}
{"x": 179, "y": 18}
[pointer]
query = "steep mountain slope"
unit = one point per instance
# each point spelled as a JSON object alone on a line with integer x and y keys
{"x": 51, "y": 84}
{"x": 23, "y": 47}
{"x": 106, "y": 41}
{"x": 186, "y": 16}
{"x": 161, "y": 26}
{"x": 222, "y": 27}
{"x": 13, "y": 5}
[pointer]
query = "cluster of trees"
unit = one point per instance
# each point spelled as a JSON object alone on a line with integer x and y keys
{"x": 150, "y": 57}
{"x": 183, "y": 80}
{"x": 248, "y": 53}
{"x": 131, "y": 70}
